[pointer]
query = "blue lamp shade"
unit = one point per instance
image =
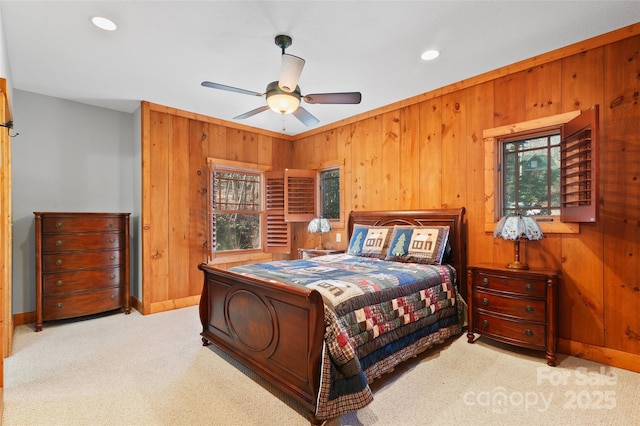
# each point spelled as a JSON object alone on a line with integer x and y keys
{"x": 515, "y": 228}
{"x": 319, "y": 225}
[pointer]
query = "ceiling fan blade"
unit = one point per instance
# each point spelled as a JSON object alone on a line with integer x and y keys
{"x": 334, "y": 98}
{"x": 290, "y": 71}
{"x": 229, "y": 88}
{"x": 305, "y": 117}
{"x": 252, "y": 112}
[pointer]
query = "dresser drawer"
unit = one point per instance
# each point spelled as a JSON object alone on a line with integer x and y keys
{"x": 526, "y": 309}
{"x": 69, "y": 282}
{"x": 69, "y": 306}
{"x": 70, "y": 261}
{"x": 510, "y": 331}
{"x": 76, "y": 242}
{"x": 525, "y": 287}
{"x": 58, "y": 224}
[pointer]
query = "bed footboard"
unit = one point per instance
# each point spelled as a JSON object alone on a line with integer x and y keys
{"x": 275, "y": 330}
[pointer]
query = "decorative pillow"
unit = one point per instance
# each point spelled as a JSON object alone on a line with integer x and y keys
{"x": 418, "y": 244}
{"x": 370, "y": 241}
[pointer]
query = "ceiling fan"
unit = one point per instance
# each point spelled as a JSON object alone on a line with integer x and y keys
{"x": 283, "y": 96}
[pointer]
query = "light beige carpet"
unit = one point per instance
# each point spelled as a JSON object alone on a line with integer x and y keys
{"x": 152, "y": 370}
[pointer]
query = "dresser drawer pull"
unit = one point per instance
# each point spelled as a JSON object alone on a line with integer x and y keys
{"x": 485, "y": 281}
{"x": 59, "y": 262}
{"x": 59, "y": 243}
{"x": 528, "y": 308}
{"x": 59, "y": 283}
{"x": 485, "y": 323}
{"x": 59, "y": 305}
{"x": 110, "y": 224}
{"x": 528, "y": 332}
{"x": 112, "y": 277}
{"x": 113, "y": 297}
{"x": 485, "y": 301}
{"x": 112, "y": 258}
{"x": 58, "y": 224}
{"x": 112, "y": 240}
{"x": 528, "y": 287}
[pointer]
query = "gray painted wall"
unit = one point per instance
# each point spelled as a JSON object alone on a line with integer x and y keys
{"x": 69, "y": 157}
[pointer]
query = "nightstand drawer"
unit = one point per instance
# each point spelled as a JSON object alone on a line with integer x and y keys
{"x": 526, "y": 309}
{"x": 525, "y": 287}
{"x": 511, "y": 331}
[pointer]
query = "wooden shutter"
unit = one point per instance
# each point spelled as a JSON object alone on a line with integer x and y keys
{"x": 579, "y": 168}
{"x": 301, "y": 190}
{"x": 277, "y": 230}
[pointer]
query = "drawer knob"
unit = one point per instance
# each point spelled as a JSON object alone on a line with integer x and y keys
{"x": 59, "y": 262}
{"x": 59, "y": 305}
{"x": 112, "y": 258}
{"x": 112, "y": 277}
{"x": 112, "y": 240}
{"x": 528, "y": 308}
{"x": 58, "y": 224}
{"x": 528, "y": 332}
{"x": 528, "y": 287}
{"x": 485, "y": 323}
{"x": 59, "y": 283}
{"x": 111, "y": 224}
{"x": 113, "y": 297}
{"x": 59, "y": 243}
{"x": 485, "y": 301}
{"x": 485, "y": 281}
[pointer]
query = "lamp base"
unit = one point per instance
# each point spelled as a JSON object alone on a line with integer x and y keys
{"x": 517, "y": 265}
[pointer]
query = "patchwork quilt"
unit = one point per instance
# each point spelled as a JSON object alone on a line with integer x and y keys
{"x": 377, "y": 314}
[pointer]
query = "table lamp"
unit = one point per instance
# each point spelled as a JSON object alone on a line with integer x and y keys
{"x": 515, "y": 228}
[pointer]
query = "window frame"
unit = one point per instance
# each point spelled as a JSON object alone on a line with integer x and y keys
{"x": 324, "y": 167}
{"x": 492, "y": 137}
{"x": 214, "y": 165}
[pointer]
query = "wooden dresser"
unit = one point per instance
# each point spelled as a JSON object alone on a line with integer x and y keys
{"x": 82, "y": 264}
{"x": 514, "y": 306}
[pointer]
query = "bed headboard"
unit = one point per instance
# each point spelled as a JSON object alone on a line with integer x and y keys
{"x": 453, "y": 218}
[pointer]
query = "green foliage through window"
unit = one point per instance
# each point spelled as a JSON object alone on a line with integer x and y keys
{"x": 237, "y": 210}
{"x": 531, "y": 175}
{"x": 330, "y": 193}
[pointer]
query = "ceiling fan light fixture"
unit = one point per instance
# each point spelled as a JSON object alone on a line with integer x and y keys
{"x": 280, "y": 101}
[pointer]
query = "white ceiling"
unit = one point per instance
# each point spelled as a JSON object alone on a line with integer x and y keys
{"x": 163, "y": 50}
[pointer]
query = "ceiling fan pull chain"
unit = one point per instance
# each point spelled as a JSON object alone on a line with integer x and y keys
{"x": 284, "y": 129}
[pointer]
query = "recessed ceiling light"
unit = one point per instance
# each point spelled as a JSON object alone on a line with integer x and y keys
{"x": 430, "y": 55}
{"x": 103, "y": 23}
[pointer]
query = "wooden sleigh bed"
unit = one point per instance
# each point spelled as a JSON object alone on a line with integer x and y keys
{"x": 280, "y": 330}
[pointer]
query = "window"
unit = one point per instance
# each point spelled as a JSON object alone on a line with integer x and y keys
{"x": 236, "y": 207}
{"x": 238, "y": 210}
{"x": 530, "y": 175}
{"x": 330, "y": 193}
{"x": 546, "y": 168}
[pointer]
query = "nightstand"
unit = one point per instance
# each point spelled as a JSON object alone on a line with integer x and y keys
{"x": 307, "y": 253}
{"x": 514, "y": 306}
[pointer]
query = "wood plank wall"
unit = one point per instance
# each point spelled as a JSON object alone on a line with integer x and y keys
{"x": 428, "y": 152}
{"x": 430, "y": 155}
{"x": 175, "y": 148}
